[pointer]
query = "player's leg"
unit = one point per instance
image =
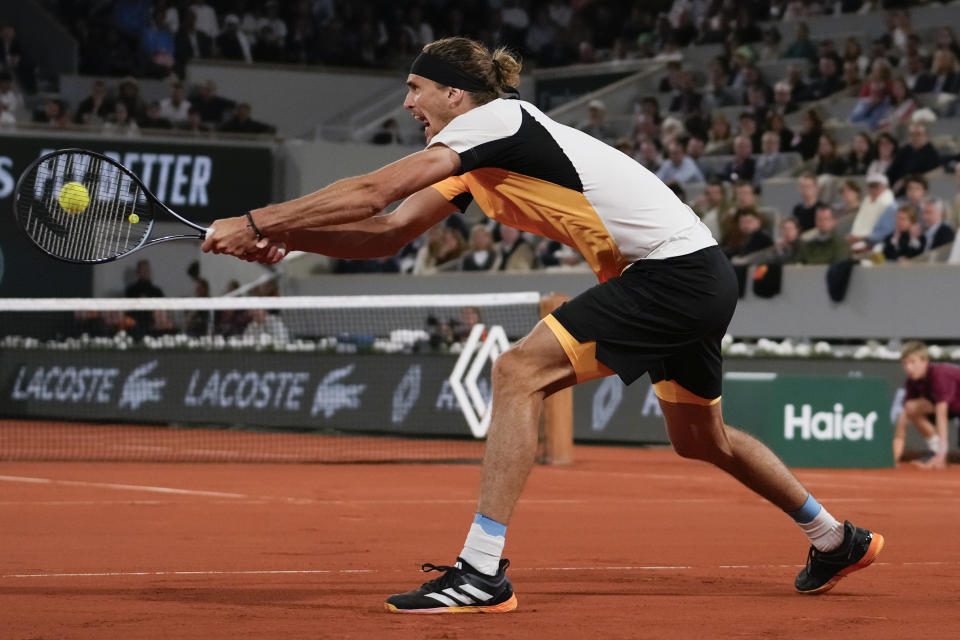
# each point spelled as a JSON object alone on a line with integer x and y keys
{"x": 698, "y": 431}
{"x": 696, "y": 428}
{"x": 535, "y": 367}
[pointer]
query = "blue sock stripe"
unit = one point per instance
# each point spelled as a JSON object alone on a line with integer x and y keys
{"x": 807, "y": 512}
{"x": 490, "y": 527}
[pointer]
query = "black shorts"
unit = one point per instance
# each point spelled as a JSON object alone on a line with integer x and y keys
{"x": 666, "y": 317}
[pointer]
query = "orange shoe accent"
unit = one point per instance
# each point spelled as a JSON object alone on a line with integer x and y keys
{"x": 876, "y": 546}
{"x": 503, "y": 607}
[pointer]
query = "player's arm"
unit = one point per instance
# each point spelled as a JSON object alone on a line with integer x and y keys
{"x": 941, "y": 417}
{"x": 343, "y": 202}
{"x": 378, "y": 236}
{"x": 362, "y": 197}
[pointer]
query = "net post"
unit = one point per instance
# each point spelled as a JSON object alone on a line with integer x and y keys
{"x": 558, "y": 408}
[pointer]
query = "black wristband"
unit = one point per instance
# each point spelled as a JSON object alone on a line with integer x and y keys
{"x": 253, "y": 226}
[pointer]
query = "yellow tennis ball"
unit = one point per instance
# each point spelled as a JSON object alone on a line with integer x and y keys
{"x": 74, "y": 197}
{"x": 133, "y": 218}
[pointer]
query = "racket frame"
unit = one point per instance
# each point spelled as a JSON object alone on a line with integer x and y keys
{"x": 152, "y": 199}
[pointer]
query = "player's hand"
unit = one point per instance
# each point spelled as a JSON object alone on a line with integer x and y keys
{"x": 268, "y": 252}
{"x": 232, "y": 236}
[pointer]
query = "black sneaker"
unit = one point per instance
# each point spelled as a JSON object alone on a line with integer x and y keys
{"x": 462, "y": 589}
{"x": 825, "y": 568}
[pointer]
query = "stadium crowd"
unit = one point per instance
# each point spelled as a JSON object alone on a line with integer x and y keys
{"x": 719, "y": 129}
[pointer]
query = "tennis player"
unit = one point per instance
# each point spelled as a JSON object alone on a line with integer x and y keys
{"x": 665, "y": 298}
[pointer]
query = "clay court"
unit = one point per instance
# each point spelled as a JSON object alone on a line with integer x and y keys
{"x": 626, "y": 543}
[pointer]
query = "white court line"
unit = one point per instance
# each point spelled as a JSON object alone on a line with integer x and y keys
{"x": 256, "y": 572}
{"x": 124, "y": 487}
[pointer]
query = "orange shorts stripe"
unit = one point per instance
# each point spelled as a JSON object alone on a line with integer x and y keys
{"x": 670, "y": 391}
{"x": 582, "y": 355}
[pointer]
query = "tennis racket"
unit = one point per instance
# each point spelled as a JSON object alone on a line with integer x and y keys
{"x": 82, "y": 207}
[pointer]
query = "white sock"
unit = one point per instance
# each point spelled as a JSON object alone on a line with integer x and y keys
{"x": 482, "y": 549}
{"x": 933, "y": 443}
{"x": 824, "y": 531}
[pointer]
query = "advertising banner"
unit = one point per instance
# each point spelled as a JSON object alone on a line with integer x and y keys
{"x": 814, "y": 421}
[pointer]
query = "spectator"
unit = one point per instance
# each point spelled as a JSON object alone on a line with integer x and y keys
{"x": 753, "y": 237}
{"x": 850, "y": 194}
{"x": 806, "y": 211}
{"x": 12, "y": 59}
{"x": 596, "y": 123}
{"x": 802, "y": 46}
{"x": 53, "y": 112}
{"x": 828, "y": 161}
{"x": 441, "y": 250}
{"x": 241, "y": 122}
{"x": 143, "y": 287}
{"x": 157, "y": 47}
{"x": 887, "y": 148}
{"x": 712, "y": 205}
{"x": 97, "y": 107}
{"x": 175, "y": 107}
{"x": 679, "y": 167}
{"x": 806, "y": 140}
{"x": 551, "y": 253}
{"x": 787, "y": 246}
{"x": 7, "y": 119}
{"x": 673, "y": 81}
{"x": 758, "y": 102}
{"x": 696, "y": 148}
{"x": 481, "y": 255}
{"x": 213, "y": 107}
{"x": 720, "y": 135}
{"x": 919, "y": 156}
{"x": 770, "y": 162}
{"x": 120, "y": 122}
{"x": 731, "y": 236}
{"x": 190, "y": 42}
{"x": 916, "y": 191}
{"x": 742, "y": 166}
{"x": 879, "y": 199}
{"x": 852, "y": 79}
{"x": 828, "y": 82}
{"x": 861, "y": 154}
{"x": 936, "y": 232}
{"x": 268, "y": 46}
{"x": 154, "y": 118}
{"x": 649, "y": 156}
{"x": 915, "y": 74}
{"x": 233, "y": 43}
{"x": 688, "y": 100}
{"x": 932, "y": 390}
{"x": 783, "y": 98}
{"x": 944, "y": 74}
{"x": 749, "y": 129}
{"x": 516, "y": 254}
{"x": 388, "y": 133}
{"x": 825, "y": 246}
{"x": 194, "y": 123}
{"x": 853, "y": 53}
{"x": 796, "y": 76}
{"x": 770, "y": 46}
{"x": 777, "y": 124}
{"x": 200, "y": 323}
{"x": 206, "y": 22}
{"x": 10, "y": 98}
{"x": 129, "y": 95}
{"x": 907, "y": 240}
{"x": 955, "y": 214}
{"x": 902, "y": 105}
{"x": 873, "y": 109}
{"x": 718, "y": 93}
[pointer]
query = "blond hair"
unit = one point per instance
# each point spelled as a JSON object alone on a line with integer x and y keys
{"x": 914, "y": 348}
{"x": 499, "y": 71}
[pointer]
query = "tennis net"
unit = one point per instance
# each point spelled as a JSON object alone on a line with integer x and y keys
{"x": 275, "y": 379}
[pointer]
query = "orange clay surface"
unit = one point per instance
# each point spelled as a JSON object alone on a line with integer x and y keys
{"x": 626, "y": 543}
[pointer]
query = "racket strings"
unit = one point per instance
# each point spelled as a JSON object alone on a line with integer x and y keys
{"x": 103, "y": 214}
